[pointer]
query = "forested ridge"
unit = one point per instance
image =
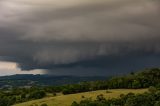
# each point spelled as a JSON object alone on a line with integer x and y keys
{"x": 141, "y": 79}
{"x": 27, "y": 80}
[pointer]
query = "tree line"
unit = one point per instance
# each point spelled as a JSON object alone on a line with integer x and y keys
{"x": 142, "y": 79}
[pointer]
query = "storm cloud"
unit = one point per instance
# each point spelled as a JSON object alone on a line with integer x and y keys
{"x": 78, "y": 36}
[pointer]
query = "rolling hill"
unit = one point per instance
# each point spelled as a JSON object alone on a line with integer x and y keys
{"x": 66, "y": 100}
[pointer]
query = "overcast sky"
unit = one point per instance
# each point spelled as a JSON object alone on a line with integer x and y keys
{"x": 79, "y": 37}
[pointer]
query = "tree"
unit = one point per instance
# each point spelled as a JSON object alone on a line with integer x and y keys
{"x": 136, "y": 84}
{"x": 152, "y": 89}
{"x": 37, "y": 94}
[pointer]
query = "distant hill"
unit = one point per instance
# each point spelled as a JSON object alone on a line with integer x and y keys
{"x": 43, "y": 80}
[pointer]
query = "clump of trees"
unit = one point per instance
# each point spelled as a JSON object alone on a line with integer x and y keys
{"x": 18, "y": 95}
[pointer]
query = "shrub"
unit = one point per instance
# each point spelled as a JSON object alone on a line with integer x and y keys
{"x": 152, "y": 89}
{"x": 82, "y": 96}
{"x": 44, "y": 104}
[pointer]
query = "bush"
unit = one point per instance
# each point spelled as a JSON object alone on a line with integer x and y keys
{"x": 82, "y": 96}
{"x": 100, "y": 97}
{"x": 44, "y": 104}
{"x": 37, "y": 94}
{"x": 75, "y": 104}
{"x": 152, "y": 89}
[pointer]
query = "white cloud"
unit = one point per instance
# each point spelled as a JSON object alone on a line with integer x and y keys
{"x": 10, "y": 68}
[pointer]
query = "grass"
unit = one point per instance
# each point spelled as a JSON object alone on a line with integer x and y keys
{"x": 66, "y": 100}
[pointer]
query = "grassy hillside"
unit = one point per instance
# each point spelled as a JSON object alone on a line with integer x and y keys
{"x": 66, "y": 100}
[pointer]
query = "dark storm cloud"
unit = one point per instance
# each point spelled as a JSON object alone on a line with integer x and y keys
{"x": 80, "y": 35}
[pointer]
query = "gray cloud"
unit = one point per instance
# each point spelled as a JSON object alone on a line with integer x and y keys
{"x": 52, "y": 34}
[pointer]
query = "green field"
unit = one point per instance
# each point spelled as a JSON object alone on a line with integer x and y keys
{"x": 66, "y": 100}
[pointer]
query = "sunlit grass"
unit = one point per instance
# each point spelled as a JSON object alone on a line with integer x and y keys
{"x": 66, "y": 100}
